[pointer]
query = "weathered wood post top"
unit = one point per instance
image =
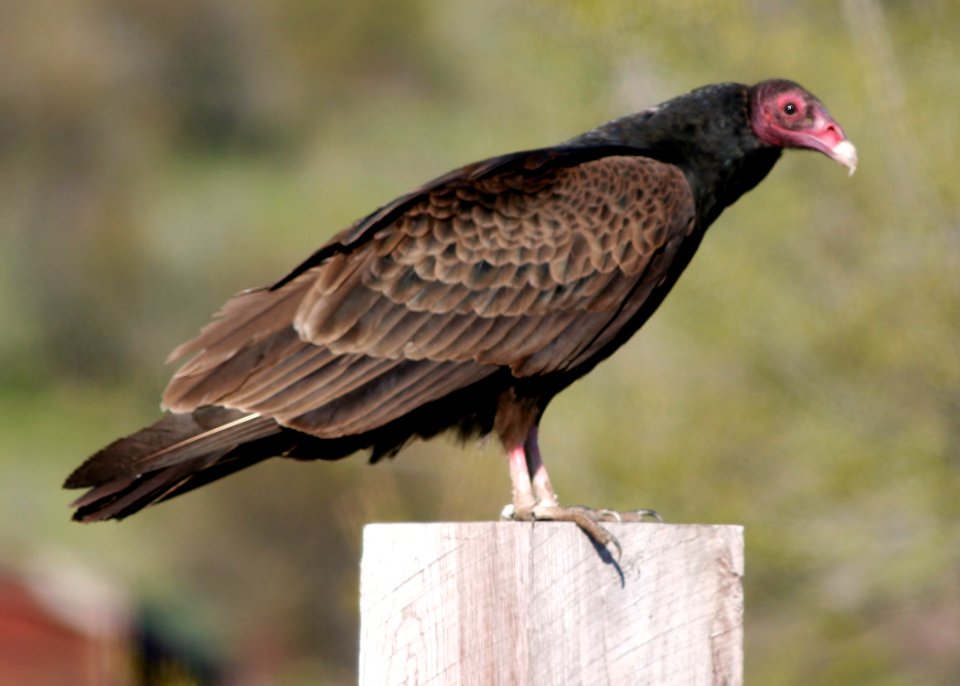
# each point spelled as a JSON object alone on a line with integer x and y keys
{"x": 517, "y": 603}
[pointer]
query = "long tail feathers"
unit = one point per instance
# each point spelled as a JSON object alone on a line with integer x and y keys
{"x": 176, "y": 454}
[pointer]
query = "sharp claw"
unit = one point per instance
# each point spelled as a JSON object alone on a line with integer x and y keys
{"x": 584, "y": 517}
{"x": 610, "y": 515}
{"x": 633, "y": 515}
{"x": 618, "y": 553}
{"x": 652, "y": 514}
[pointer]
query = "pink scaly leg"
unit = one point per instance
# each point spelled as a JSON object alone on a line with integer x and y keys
{"x": 523, "y": 498}
{"x": 542, "y": 488}
{"x": 535, "y": 499}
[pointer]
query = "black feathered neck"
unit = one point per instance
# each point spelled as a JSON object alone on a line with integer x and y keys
{"x": 707, "y": 133}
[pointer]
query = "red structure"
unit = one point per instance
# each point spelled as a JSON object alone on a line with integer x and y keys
{"x": 61, "y": 625}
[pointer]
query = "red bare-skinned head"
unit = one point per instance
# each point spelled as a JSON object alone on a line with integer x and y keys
{"x": 786, "y": 115}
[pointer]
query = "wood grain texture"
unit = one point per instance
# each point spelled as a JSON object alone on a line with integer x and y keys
{"x": 535, "y": 603}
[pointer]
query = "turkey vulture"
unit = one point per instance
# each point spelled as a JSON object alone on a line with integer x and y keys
{"x": 464, "y": 305}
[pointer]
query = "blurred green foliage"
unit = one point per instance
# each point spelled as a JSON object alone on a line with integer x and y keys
{"x": 802, "y": 380}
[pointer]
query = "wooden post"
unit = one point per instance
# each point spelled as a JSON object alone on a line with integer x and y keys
{"x": 517, "y": 603}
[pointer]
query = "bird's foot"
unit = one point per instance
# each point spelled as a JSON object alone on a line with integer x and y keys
{"x": 586, "y": 518}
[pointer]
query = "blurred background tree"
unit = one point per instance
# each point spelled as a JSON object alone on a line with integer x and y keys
{"x": 803, "y": 379}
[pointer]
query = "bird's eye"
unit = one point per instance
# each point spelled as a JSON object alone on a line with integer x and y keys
{"x": 790, "y": 108}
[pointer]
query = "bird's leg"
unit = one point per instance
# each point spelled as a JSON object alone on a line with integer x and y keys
{"x": 523, "y": 498}
{"x": 546, "y": 497}
{"x": 529, "y": 480}
{"x": 543, "y": 491}
{"x": 534, "y": 497}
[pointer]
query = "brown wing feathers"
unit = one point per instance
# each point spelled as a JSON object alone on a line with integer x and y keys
{"x": 527, "y": 269}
